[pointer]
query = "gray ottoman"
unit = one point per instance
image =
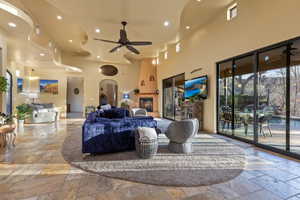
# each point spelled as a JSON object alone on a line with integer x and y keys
{"x": 180, "y": 134}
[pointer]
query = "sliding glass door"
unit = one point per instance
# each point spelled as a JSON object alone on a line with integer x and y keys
{"x": 272, "y": 97}
{"x": 259, "y": 97}
{"x": 168, "y": 99}
{"x": 225, "y": 98}
{"x": 244, "y": 97}
{"x": 295, "y": 98}
{"x": 173, "y": 96}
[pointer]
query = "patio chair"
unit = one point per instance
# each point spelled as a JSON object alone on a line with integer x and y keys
{"x": 264, "y": 123}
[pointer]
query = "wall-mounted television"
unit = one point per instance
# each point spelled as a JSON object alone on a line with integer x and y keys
{"x": 196, "y": 87}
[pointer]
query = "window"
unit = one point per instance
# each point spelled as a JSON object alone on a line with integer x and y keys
{"x": 232, "y": 12}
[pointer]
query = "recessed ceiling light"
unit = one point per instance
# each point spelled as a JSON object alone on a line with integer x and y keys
{"x": 98, "y": 57}
{"x": 166, "y": 23}
{"x": 42, "y": 54}
{"x": 199, "y": 0}
{"x": 59, "y": 17}
{"x": 187, "y": 27}
{"x": 70, "y": 41}
{"x": 97, "y": 30}
{"x": 11, "y": 24}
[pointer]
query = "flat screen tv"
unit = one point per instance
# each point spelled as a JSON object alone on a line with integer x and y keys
{"x": 196, "y": 87}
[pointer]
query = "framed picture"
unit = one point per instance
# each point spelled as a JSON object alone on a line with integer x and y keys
{"x": 49, "y": 86}
{"x": 20, "y": 85}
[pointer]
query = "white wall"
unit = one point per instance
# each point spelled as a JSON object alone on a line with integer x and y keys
{"x": 127, "y": 78}
{"x": 259, "y": 23}
{"x": 75, "y": 100}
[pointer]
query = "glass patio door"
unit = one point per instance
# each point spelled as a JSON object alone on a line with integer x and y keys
{"x": 272, "y": 94}
{"x": 259, "y": 97}
{"x": 173, "y": 96}
{"x": 168, "y": 99}
{"x": 225, "y": 115}
{"x": 244, "y": 100}
{"x": 295, "y": 98}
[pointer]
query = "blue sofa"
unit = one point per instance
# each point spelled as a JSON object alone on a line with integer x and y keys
{"x": 111, "y": 131}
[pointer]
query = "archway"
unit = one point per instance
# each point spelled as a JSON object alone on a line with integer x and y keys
{"x": 108, "y": 92}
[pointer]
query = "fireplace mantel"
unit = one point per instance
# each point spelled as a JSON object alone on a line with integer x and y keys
{"x": 146, "y": 93}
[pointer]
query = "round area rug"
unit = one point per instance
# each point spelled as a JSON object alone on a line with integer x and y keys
{"x": 213, "y": 161}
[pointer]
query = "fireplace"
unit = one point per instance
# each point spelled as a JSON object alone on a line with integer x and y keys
{"x": 146, "y": 103}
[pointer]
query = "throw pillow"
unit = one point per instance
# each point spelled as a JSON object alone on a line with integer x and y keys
{"x": 106, "y": 107}
{"x": 147, "y": 133}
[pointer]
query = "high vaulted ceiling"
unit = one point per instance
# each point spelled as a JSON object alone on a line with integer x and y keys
{"x": 80, "y": 19}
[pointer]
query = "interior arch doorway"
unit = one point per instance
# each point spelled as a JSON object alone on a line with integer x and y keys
{"x": 108, "y": 92}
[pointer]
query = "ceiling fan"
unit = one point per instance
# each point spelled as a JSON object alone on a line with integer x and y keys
{"x": 123, "y": 41}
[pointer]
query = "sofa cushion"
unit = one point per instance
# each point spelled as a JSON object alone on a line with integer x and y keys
{"x": 115, "y": 113}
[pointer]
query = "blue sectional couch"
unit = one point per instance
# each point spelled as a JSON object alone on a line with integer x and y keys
{"x": 111, "y": 131}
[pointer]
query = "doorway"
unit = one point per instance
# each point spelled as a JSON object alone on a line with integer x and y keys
{"x": 173, "y": 95}
{"x": 108, "y": 92}
{"x": 75, "y": 93}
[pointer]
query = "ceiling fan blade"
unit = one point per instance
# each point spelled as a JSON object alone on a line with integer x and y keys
{"x": 107, "y": 41}
{"x": 140, "y": 43}
{"x": 116, "y": 48}
{"x": 134, "y": 50}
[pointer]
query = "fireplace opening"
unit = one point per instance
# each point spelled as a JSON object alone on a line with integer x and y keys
{"x": 146, "y": 103}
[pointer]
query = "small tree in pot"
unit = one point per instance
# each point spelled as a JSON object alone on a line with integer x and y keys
{"x": 3, "y": 84}
{"x": 23, "y": 111}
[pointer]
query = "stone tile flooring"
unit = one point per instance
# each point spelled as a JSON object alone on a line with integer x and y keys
{"x": 35, "y": 170}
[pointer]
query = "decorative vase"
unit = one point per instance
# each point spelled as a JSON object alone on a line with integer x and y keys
{"x": 21, "y": 122}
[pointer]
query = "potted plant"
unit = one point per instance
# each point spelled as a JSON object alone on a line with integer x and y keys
{"x": 125, "y": 105}
{"x": 23, "y": 112}
{"x": 3, "y": 84}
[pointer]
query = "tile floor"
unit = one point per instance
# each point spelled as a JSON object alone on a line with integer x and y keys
{"x": 35, "y": 170}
